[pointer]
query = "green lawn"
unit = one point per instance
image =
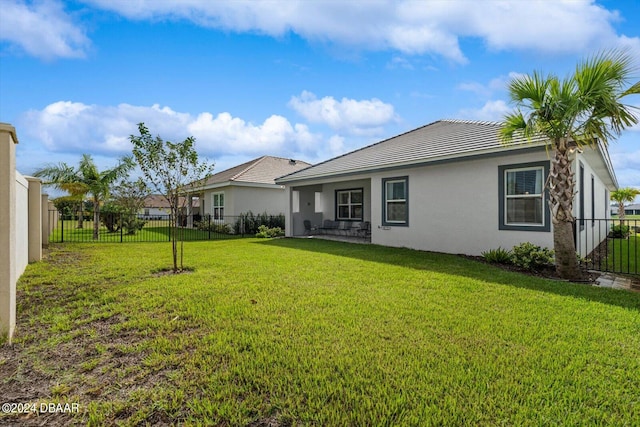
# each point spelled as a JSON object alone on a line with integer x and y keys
{"x": 624, "y": 255}
{"x": 153, "y": 231}
{"x": 311, "y": 332}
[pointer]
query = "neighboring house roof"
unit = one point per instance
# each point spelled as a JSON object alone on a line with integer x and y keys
{"x": 635, "y": 206}
{"x": 160, "y": 202}
{"x": 263, "y": 170}
{"x": 438, "y": 141}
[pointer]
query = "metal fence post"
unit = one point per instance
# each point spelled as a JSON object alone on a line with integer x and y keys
{"x": 62, "y": 229}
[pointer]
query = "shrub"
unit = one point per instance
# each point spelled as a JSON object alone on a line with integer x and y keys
{"x": 248, "y": 223}
{"x": 266, "y": 232}
{"x": 131, "y": 224}
{"x": 620, "y": 231}
{"x": 212, "y": 225}
{"x": 497, "y": 256}
{"x": 532, "y": 257}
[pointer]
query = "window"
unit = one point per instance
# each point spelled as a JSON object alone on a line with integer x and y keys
{"x": 295, "y": 201}
{"x": 349, "y": 204}
{"x": 593, "y": 202}
{"x": 395, "y": 201}
{"x": 217, "y": 205}
{"x": 318, "y": 202}
{"x": 581, "y": 196}
{"x": 522, "y": 204}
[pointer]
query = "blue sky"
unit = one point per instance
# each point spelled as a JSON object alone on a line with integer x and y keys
{"x": 302, "y": 79}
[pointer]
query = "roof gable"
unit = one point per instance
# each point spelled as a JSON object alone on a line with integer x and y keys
{"x": 263, "y": 170}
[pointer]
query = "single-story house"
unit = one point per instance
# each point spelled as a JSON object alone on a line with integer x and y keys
{"x": 156, "y": 206}
{"x": 249, "y": 187}
{"x": 450, "y": 186}
{"x": 633, "y": 209}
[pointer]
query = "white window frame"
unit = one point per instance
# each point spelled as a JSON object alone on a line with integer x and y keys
{"x": 386, "y": 201}
{"x": 350, "y": 204}
{"x": 217, "y": 210}
{"x": 524, "y": 196}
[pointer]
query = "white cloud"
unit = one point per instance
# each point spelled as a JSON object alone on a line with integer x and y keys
{"x": 74, "y": 127}
{"x": 365, "y": 117}
{"x": 496, "y": 84}
{"x": 411, "y": 27}
{"x": 42, "y": 29}
{"x": 490, "y": 111}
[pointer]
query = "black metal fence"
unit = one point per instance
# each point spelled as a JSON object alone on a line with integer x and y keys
{"x": 155, "y": 228}
{"x": 610, "y": 245}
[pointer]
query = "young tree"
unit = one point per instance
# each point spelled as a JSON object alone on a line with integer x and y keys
{"x": 87, "y": 176}
{"x": 585, "y": 108}
{"x": 622, "y": 196}
{"x": 170, "y": 168}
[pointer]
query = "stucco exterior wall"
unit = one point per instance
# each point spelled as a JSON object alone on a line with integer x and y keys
{"x": 22, "y": 224}
{"x": 241, "y": 199}
{"x": 273, "y": 201}
{"x": 453, "y": 208}
{"x": 589, "y": 233}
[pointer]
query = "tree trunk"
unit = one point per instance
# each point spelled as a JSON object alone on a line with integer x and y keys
{"x": 621, "y": 213}
{"x": 96, "y": 218}
{"x": 174, "y": 240}
{"x": 80, "y": 216}
{"x": 561, "y": 193}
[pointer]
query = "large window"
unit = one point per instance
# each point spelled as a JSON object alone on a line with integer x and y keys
{"x": 395, "y": 200}
{"x": 593, "y": 201}
{"x": 217, "y": 205}
{"x": 581, "y": 196}
{"x": 522, "y": 197}
{"x": 349, "y": 204}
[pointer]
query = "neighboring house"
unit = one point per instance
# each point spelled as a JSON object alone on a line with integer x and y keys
{"x": 156, "y": 206}
{"x": 450, "y": 186}
{"x": 633, "y": 209}
{"x": 247, "y": 187}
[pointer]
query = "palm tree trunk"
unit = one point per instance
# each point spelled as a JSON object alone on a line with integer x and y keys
{"x": 561, "y": 193}
{"x": 80, "y": 216}
{"x": 621, "y": 213}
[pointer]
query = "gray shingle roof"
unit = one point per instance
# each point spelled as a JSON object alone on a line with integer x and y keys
{"x": 263, "y": 170}
{"x": 443, "y": 139}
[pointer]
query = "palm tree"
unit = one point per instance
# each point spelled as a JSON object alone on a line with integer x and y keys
{"x": 622, "y": 196}
{"x": 87, "y": 176}
{"x": 584, "y": 108}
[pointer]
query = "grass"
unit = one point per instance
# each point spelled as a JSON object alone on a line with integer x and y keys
{"x": 311, "y": 332}
{"x": 153, "y": 231}
{"x": 624, "y": 254}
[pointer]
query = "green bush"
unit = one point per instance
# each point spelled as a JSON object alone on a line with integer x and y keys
{"x": 620, "y": 231}
{"x": 266, "y": 232}
{"x": 248, "y": 223}
{"x": 212, "y": 225}
{"x": 497, "y": 256}
{"x": 131, "y": 224}
{"x": 532, "y": 257}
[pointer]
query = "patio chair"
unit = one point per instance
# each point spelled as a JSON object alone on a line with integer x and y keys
{"x": 307, "y": 227}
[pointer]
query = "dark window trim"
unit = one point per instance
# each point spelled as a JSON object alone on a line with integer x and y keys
{"x": 361, "y": 189}
{"x": 593, "y": 201}
{"x": 384, "y": 201}
{"x": 502, "y": 225}
{"x": 581, "y": 194}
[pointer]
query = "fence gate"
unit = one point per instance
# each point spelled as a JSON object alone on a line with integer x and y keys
{"x": 610, "y": 245}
